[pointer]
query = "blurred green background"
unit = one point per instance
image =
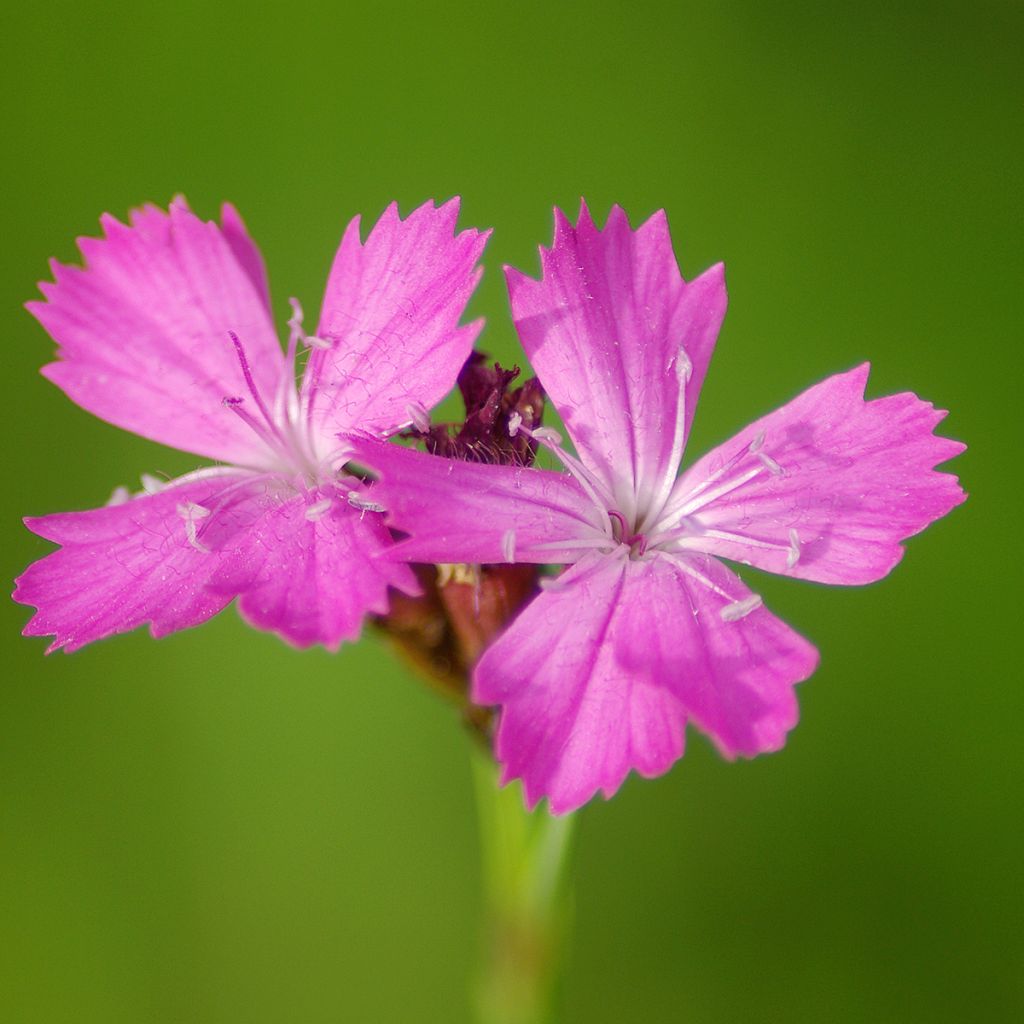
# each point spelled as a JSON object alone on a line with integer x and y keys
{"x": 214, "y": 827}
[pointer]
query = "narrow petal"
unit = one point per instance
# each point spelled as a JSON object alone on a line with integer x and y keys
{"x": 309, "y": 570}
{"x": 574, "y": 719}
{"x": 125, "y": 565}
{"x": 825, "y": 488}
{"x": 391, "y": 317}
{"x": 468, "y": 512}
{"x": 143, "y": 330}
{"x": 692, "y": 625}
{"x": 621, "y": 344}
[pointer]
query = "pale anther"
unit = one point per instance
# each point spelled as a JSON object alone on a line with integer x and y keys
{"x": 770, "y": 464}
{"x": 515, "y": 421}
{"x": 757, "y": 444}
{"x": 547, "y": 434}
{"x": 363, "y": 504}
{"x": 119, "y": 496}
{"x": 508, "y": 546}
{"x": 418, "y": 416}
{"x": 317, "y": 511}
{"x": 684, "y": 368}
{"x": 794, "y": 549}
{"x": 151, "y": 484}
{"x": 191, "y": 513}
{"x": 741, "y": 609}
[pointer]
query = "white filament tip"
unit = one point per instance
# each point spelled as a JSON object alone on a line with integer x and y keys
{"x": 684, "y": 368}
{"x": 515, "y": 421}
{"x": 757, "y": 444}
{"x": 418, "y": 416}
{"x": 312, "y": 341}
{"x": 193, "y": 513}
{"x": 794, "y": 549}
{"x": 295, "y": 323}
{"x": 550, "y": 583}
{"x": 317, "y": 511}
{"x": 741, "y": 609}
{"x": 548, "y": 435}
{"x": 508, "y": 546}
{"x": 151, "y": 484}
{"x": 363, "y": 504}
{"x": 770, "y": 464}
{"x": 119, "y": 496}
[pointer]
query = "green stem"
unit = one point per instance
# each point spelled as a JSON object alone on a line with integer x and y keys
{"x": 525, "y": 876}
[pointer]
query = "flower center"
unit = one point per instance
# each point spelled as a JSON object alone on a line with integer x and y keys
{"x": 280, "y": 425}
{"x": 622, "y": 532}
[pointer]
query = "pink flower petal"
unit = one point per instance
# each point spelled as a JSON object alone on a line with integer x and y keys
{"x": 307, "y": 570}
{"x": 134, "y": 563}
{"x": 614, "y": 333}
{"x": 599, "y": 675}
{"x": 838, "y": 482}
{"x": 249, "y": 257}
{"x": 143, "y": 331}
{"x": 574, "y": 720}
{"x": 690, "y": 623}
{"x": 391, "y": 315}
{"x": 304, "y": 566}
{"x": 468, "y": 512}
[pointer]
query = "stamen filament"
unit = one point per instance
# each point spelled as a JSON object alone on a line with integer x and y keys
{"x": 249, "y": 382}
{"x": 551, "y": 440}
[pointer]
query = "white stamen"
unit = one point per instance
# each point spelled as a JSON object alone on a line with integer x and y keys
{"x": 794, "y": 549}
{"x": 515, "y": 421}
{"x": 701, "y": 578}
{"x": 191, "y": 513}
{"x": 151, "y": 484}
{"x": 317, "y": 511}
{"x": 364, "y": 504}
{"x": 757, "y": 444}
{"x": 508, "y": 546}
{"x": 684, "y": 368}
{"x": 545, "y": 434}
{"x": 699, "y": 497}
{"x": 770, "y": 464}
{"x": 119, "y": 496}
{"x": 295, "y": 326}
{"x": 418, "y": 416}
{"x": 553, "y": 583}
{"x": 741, "y": 609}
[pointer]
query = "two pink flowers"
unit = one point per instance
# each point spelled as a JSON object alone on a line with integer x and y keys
{"x": 168, "y": 332}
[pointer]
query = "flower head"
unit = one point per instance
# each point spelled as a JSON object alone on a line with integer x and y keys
{"x": 646, "y": 629}
{"x": 167, "y": 331}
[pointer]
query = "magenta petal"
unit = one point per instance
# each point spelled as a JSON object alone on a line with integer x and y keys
{"x": 614, "y": 333}
{"x": 838, "y": 482}
{"x": 692, "y": 625}
{"x": 468, "y": 512}
{"x": 307, "y": 570}
{"x": 143, "y": 331}
{"x": 125, "y": 565}
{"x": 574, "y": 719}
{"x": 391, "y": 317}
{"x": 249, "y": 257}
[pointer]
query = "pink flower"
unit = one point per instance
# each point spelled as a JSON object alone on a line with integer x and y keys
{"x": 646, "y": 629}
{"x": 168, "y": 332}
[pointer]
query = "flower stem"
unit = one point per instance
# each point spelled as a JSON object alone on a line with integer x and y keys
{"x": 528, "y": 903}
